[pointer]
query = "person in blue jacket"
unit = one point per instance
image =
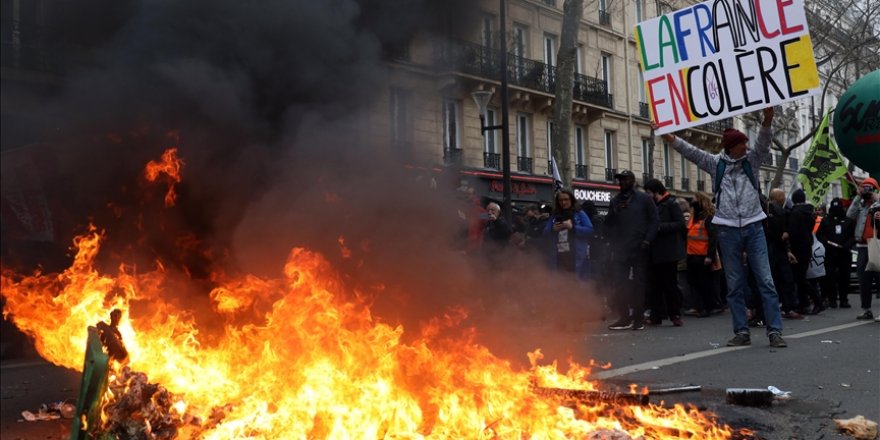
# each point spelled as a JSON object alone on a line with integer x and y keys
{"x": 568, "y": 228}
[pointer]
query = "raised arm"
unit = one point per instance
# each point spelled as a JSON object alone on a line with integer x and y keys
{"x": 765, "y": 135}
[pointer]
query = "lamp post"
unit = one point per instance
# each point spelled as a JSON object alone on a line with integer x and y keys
{"x": 481, "y": 98}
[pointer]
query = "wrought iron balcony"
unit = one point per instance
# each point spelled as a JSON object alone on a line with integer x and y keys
{"x": 604, "y": 18}
{"x": 644, "y": 112}
{"x": 701, "y": 185}
{"x": 716, "y": 126}
{"x": 524, "y": 164}
{"x": 453, "y": 156}
{"x": 492, "y": 160}
{"x": 474, "y": 59}
{"x": 668, "y": 181}
{"x": 685, "y": 184}
{"x": 580, "y": 171}
{"x": 609, "y": 174}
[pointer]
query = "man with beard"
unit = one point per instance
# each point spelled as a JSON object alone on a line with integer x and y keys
{"x": 739, "y": 216}
{"x": 801, "y": 219}
{"x": 837, "y": 234}
{"x": 630, "y": 228}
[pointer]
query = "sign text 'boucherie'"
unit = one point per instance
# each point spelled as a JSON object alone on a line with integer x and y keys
{"x": 721, "y": 58}
{"x": 592, "y": 195}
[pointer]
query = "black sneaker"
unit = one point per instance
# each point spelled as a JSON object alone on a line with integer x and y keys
{"x": 640, "y": 325}
{"x": 866, "y": 315}
{"x": 621, "y": 325}
{"x": 776, "y": 340}
{"x": 740, "y": 339}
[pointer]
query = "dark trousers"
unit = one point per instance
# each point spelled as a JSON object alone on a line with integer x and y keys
{"x": 868, "y": 281}
{"x": 783, "y": 280}
{"x": 664, "y": 296}
{"x": 704, "y": 286}
{"x": 838, "y": 266}
{"x": 630, "y": 277}
{"x": 806, "y": 290}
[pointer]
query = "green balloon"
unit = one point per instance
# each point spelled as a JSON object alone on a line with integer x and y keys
{"x": 857, "y": 123}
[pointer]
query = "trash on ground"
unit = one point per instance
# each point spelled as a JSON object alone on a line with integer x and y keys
{"x": 779, "y": 394}
{"x": 858, "y": 427}
{"x": 51, "y": 411}
{"x": 845, "y": 385}
{"x": 676, "y": 389}
{"x": 749, "y": 396}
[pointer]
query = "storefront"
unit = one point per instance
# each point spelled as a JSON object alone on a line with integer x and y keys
{"x": 526, "y": 190}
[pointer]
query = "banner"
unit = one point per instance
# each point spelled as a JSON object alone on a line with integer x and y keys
{"x": 822, "y": 164}
{"x": 721, "y": 58}
{"x": 557, "y": 179}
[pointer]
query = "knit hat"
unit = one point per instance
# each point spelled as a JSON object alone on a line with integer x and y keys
{"x": 872, "y": 182}
{"x": 732, "y": 137}
{"x": 798, "y": 196}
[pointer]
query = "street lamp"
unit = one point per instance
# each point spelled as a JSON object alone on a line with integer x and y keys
{"x": 482, "y": 97}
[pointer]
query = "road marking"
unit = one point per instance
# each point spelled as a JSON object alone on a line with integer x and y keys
{"x": 706, "y": 353}
{"x": 23, "y": 364}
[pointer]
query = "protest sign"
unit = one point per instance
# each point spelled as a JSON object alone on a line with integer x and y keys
{"x": 721, "y": 58}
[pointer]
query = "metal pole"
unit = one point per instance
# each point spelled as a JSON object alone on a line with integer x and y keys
{"x": 505, "y": 120}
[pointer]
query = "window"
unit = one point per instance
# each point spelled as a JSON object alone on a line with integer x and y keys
{"x": 401, "y": 125}
{"x": 643, "y": 97}
{"x": 603, "y": 7}
{"x": 579, "y": 59}
{"x": 580, "y": 150}
{"x": 685, "y": 173}
{"x": 640, "y": 10}
{"x": 646, "y": 156}
{"x": 549, "y": 50}
{"x": 606, "y": 67}
{"x": 609, "y": 149}
{"x": 549, "y": 139}
{"x": 486, "y": 32}
{"x": 667, "y": 164}
{"x": 450, "y": 125}
{"x": 523, "y": 144}
{"x": 519, "y": 40}
{"x": 490, "y": 140}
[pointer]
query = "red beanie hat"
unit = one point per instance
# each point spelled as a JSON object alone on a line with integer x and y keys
{"x": 732, "y": 137}
{"x": 872, "y": 182}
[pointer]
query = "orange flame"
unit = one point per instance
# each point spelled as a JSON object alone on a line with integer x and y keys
{"x": 314, "y": 362}
{"x": 170, "y": 166}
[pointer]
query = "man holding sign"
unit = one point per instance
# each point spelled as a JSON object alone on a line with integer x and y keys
{"x": 738, "y": 215}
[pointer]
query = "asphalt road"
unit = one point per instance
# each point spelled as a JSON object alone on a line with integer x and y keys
{"x": 831, "y": 367}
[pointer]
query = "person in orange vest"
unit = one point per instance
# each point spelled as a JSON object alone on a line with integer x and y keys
{"x": 865, "y": 210}
{"x": 702, "y": 256}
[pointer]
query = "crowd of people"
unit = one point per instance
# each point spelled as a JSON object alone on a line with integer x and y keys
{"x": 655, "y": 257}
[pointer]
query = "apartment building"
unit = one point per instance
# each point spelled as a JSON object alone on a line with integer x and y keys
{"x": 435, "y": 122}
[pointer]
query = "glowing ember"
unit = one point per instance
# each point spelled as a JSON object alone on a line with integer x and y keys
{"x": 301, "y": 356}
{"x": 169, "y": 166}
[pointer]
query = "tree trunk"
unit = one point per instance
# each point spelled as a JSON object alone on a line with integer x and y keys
{"x": 566, "y": 59}
{"x": 780, "y": 168}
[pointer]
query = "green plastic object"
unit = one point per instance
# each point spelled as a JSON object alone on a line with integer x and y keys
{"x": 94, "y": 384}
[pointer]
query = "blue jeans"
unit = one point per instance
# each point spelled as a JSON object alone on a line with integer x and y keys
{"x": 732, "y": 242}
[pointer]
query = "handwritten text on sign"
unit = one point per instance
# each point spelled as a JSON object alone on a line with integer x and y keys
{"x": 721, "y": 58}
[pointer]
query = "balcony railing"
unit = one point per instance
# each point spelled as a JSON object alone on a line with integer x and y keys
{"x": 453, "y": 156}
{"x": 604, "y": 18}
{"x": 474, "y": 59}
{"x": 492, "y": 160}
{"x": 668, "y": 181}
{"x": 701, "y": 185}
{"x": 524, "y": 164}
{"x": 685, "y": 184}
{"x": 609, "y": 174}
{"x": 716, "y": 126}
{"x": 580, "y": 171}
{"x": 644, "y": 112}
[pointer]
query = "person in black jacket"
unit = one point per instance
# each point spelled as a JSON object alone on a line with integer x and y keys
{"x": 779, "y": 255}
{"x": 630, "y": 228}
{"x": 801, "y": 220}
{"x": 837, "y": 234}
{"x": 664, "y": 296}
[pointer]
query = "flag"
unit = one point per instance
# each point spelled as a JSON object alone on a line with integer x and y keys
{"x": 822, "y": 164}
{"x": 557, "y": 179}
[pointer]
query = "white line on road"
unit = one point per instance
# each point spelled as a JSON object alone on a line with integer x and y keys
{"x": 705, "y": 353}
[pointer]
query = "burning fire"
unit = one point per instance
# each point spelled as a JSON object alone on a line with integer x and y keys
{"x": 302, "y": 356}
{"x": 170, "y": 166}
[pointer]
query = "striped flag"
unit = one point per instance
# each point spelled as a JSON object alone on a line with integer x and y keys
{"x": 822, "y": 164}
{"x": 557, "y": 179}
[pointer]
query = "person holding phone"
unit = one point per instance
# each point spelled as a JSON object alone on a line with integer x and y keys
{"x": 569, "y": 227}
